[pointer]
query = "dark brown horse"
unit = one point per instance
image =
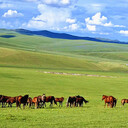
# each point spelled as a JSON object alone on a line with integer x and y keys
{"x": 80, "y": 100}
{"x": 109, "y": 100}
{"x": 50, "y": 99}
{"x": 60, "y": 100}
{"x": 21, "y": 100}
{"x": 123, "y": 101}
{"x": 3, "y": 99}
{"x": 10, "y": 101}
{"x": 71, "y": 101}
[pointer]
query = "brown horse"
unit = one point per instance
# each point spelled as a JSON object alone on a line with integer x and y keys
{"x": 41, "y": 100}
{"x": 109, "y": 100}
{"x": 35, "y": 102}
{"x": 29, "y": 101}
{"x": 10, "y": 101}
{"x": 50, "y": 99}
{"x": 123, "y": 101}
{"x": 60, "y": 100}
{"x": 71, "y": 101}
{"x": 21, "y": 100}
{"x": 80, "y": 100}
{"x": 3, "y": 99}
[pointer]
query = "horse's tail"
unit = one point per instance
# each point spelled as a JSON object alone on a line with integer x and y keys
{"x": 67, "y": 102}
{"x": 54, "y": 100}
{"x": 85, "y": 101}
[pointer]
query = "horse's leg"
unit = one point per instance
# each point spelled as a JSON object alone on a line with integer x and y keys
{"x": 36, "y": 105}
{"x": 105, "y": 105}
{"x": 2, "y": 104}
{"x": 23, "y": 106}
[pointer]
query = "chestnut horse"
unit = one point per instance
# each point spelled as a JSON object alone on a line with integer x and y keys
{"x": 10, "y": 101}
{"x": 110, "y": 100}
{"x": 21, "y": 100}
{"x": 123, "y": 101}
{"x": 50, "y": 99}
{"x": 35, "y": 102}
{"x": 39, "y": 100}
{"x": 80, "y": 100}
{"x": 60, "y": 100}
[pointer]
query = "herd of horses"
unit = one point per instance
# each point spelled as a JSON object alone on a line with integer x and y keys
{"x": 40, "y": 101}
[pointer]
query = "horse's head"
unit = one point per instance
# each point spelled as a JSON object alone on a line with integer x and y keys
{"x": 67, "y": 104}
{"x": 103, "y": 97}
{"x": 43, "y": 97}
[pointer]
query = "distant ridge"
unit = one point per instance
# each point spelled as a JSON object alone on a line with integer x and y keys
{"x": 65, "y": 36}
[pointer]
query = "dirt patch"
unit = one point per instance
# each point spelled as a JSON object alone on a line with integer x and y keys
{"x": 75, "y": 74}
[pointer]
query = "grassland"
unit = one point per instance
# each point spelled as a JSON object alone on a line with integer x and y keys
{"x": 23, "y": 59}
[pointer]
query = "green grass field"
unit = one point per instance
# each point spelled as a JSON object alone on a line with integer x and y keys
{"x": 23, "y": 60}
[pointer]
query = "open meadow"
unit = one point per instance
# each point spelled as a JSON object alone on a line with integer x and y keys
{"x": 24, "y": 60}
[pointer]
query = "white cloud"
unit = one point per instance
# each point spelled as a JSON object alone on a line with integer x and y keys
{"x": 97, "y": 19}
{"x": 124, "y": 32}
{"x": 4, "y": 24}
{"x": 11, "y": 13}
{"x": 65, "y": 1}
{"x": 104, "y": 33}
{"x": 50, "y": 18}
{"x": 100, "y": 20}
{"x": 91, "y": 27}
{"x": 70, "y": 20}
{"x": 73, "y": 26}
{"x": 108, "y": 24}
{"x": 55, "y": 2}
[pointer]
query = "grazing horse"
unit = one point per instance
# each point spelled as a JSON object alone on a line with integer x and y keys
{"x": 110, "y": 100}
{"x": 21, "y": 100}
{"x": 60, "y": 100}
{"x": 3, "y": 99}
{"x": 10, "y": 101}
{"x": 41, "y": 100}
{"x": 35, "y": 101}
{"x": 29, "y": 101}
{"x": 123, "y": 101}
{"x": 50, "y": 99}
{"x": 80, "y": 100}
{"x": 71, "y": 100}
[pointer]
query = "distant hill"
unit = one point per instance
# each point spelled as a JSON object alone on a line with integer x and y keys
{"x": 65, "y": 36}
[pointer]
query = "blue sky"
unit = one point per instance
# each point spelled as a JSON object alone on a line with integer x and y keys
{"x": 94, "y": 18}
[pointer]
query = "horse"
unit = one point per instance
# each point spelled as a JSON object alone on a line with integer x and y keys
{"x": 21, "y": 100}
{"x": 0, "y": 98}
{"x": 71, "y": 100}
{"x": 50, "y": 99}
{"x": 35, "y": 102}
{"x": 3, "y": 99}
{"x": 110, "y": 100}
{"x": 80, "y": 100}
{"x": 60, "y": 100}
{"x": 123, "y": 101}
{"x": 29, "y": 101}
{"x": 10, "y": 101}
{"x": 41, "y": 100}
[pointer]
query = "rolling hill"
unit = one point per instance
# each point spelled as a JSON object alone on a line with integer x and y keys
{"x": 33, "y": 51}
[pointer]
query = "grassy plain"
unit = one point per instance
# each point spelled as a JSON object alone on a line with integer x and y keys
{"x": 23, "y": 59}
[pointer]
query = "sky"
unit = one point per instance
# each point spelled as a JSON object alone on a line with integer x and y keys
{"x": 93, "y": 18}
